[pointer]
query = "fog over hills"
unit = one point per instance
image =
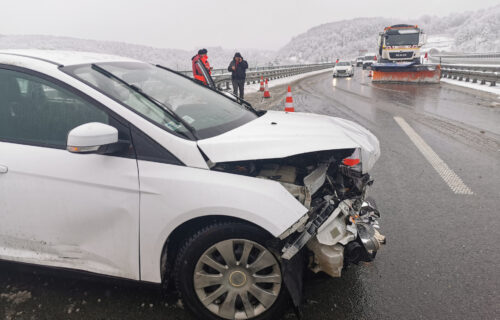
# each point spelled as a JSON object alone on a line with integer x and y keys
{"x": 477, "y": 31}
{"x": 173, "y": 58}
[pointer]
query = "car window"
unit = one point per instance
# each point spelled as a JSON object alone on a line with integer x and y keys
{"x": 206, "y": 111}
{"x": 36, "y": 111}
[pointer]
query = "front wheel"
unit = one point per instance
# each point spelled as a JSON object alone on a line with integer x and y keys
{"x": 224, "y": 271}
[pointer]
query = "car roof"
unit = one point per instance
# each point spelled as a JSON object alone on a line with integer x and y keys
{"x": 62, "y": 57}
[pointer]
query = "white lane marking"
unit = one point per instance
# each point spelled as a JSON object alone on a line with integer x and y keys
{"x": 454, "y": 182}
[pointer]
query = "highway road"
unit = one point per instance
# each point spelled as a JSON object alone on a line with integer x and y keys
{"x": 437, "y": 185}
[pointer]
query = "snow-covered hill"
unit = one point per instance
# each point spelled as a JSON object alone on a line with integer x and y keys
{"x": 173, "y": 58}
{"x": 477, "y": 31}
{"x": 334, "y": 40}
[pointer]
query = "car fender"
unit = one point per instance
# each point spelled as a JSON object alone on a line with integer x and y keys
{"x": 172, "y": 195}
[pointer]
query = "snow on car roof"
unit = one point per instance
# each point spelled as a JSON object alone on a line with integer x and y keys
{"x": 65, "y": 58}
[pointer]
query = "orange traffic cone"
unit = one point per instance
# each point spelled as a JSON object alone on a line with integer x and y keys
{"x": 289, "y": 101}
{"x": 266, "y": 91}
{"x": 261, "y": 83}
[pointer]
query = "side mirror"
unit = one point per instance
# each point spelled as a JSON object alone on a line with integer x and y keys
{"x": 93, "y": 137}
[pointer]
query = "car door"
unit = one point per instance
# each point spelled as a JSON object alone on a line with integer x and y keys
{"x": 59, "y": 208}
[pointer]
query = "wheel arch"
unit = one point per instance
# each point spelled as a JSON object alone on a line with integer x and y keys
{"x": 183, "y": 231}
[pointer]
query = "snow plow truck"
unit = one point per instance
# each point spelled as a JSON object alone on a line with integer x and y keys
{"x": 399, "y": 56}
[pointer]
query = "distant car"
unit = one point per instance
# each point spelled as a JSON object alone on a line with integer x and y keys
{"x": 368, "y": 60}
{"x": 359, "y": 61}
{"x": 343, "y": 69}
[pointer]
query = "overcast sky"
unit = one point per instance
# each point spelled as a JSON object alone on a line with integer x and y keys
{"x": 190, "y": 24}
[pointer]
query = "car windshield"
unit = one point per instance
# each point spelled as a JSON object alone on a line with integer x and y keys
{"x": 202, "y": 110}
{"x": 343, "y": 63}
{"x": 369, "y": 57}
{"x": 401, "y": 39}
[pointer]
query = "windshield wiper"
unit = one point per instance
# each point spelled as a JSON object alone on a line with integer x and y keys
{"x": 238, "y": 100}
{"x": 153, "y": 100}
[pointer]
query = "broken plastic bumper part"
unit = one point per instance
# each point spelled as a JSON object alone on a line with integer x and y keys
{"x": 338, "y": 236}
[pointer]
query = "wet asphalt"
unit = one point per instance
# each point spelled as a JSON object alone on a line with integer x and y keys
{"x": 442, "y": 255}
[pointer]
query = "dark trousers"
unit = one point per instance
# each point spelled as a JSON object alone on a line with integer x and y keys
{"x": 239, "y": 84}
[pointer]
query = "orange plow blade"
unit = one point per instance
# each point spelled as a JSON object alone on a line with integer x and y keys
{"x": 414, "y": 74}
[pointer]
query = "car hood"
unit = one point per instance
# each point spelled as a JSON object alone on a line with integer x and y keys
{"x": 279, "y": 134}
{"x": 342, "y": 68}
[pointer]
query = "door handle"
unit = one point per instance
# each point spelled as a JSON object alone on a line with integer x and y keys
{"x": 3, "y": 169}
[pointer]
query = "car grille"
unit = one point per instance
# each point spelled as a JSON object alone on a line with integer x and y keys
{"x": 401, "y": 55}
{"x": 340, "y": 71}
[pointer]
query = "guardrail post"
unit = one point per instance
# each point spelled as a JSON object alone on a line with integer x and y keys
{"x": 483, "y": 81}
{"x": 227, "y": 85}
{"x": 493, "y": 83}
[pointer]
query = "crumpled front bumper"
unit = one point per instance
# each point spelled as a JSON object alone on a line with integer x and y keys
{"x": 348, "y": 235}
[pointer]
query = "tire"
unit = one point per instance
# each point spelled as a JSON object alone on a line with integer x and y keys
{"x": 233, "y": 279}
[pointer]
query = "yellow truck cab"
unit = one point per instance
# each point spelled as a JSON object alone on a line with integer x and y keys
{"x": 401, "y": 43}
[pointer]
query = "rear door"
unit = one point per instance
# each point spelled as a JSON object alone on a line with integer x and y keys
{"x": 58, "y": 208}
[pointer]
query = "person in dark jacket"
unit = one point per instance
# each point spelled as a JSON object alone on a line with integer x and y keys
{"x": 197, "y": 73}
{"x": 238, "y": 68}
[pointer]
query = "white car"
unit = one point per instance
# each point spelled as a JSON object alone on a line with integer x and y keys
{"x": 343, "y": 69}
{"x": 127, "y": 169}
{"x": 369, "y": 59}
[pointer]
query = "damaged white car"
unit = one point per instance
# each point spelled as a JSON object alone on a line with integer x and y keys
{"x": 127, "y": 169}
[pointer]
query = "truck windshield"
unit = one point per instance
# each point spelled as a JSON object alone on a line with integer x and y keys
{"x": 202, "y": 110}
{"x": 401, "y": 39}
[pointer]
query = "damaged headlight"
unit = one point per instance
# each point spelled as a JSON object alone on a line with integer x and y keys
{"x": 354, "y": 160}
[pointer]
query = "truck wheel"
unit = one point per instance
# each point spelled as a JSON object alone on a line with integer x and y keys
{"x": 224, "y": 271}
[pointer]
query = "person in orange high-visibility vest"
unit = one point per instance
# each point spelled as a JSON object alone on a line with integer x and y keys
{"x": 197, "y": 72}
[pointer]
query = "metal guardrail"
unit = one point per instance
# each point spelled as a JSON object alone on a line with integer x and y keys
{"x": 475, "y": 73}
{"x": 467, "y": 59}
{"x": 222, "y": 77}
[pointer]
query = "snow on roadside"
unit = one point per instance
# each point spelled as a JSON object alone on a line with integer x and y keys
{"x": 16, "y": 297}
{"x": 251, "y": 88}
{"x": 477, "y": 86}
